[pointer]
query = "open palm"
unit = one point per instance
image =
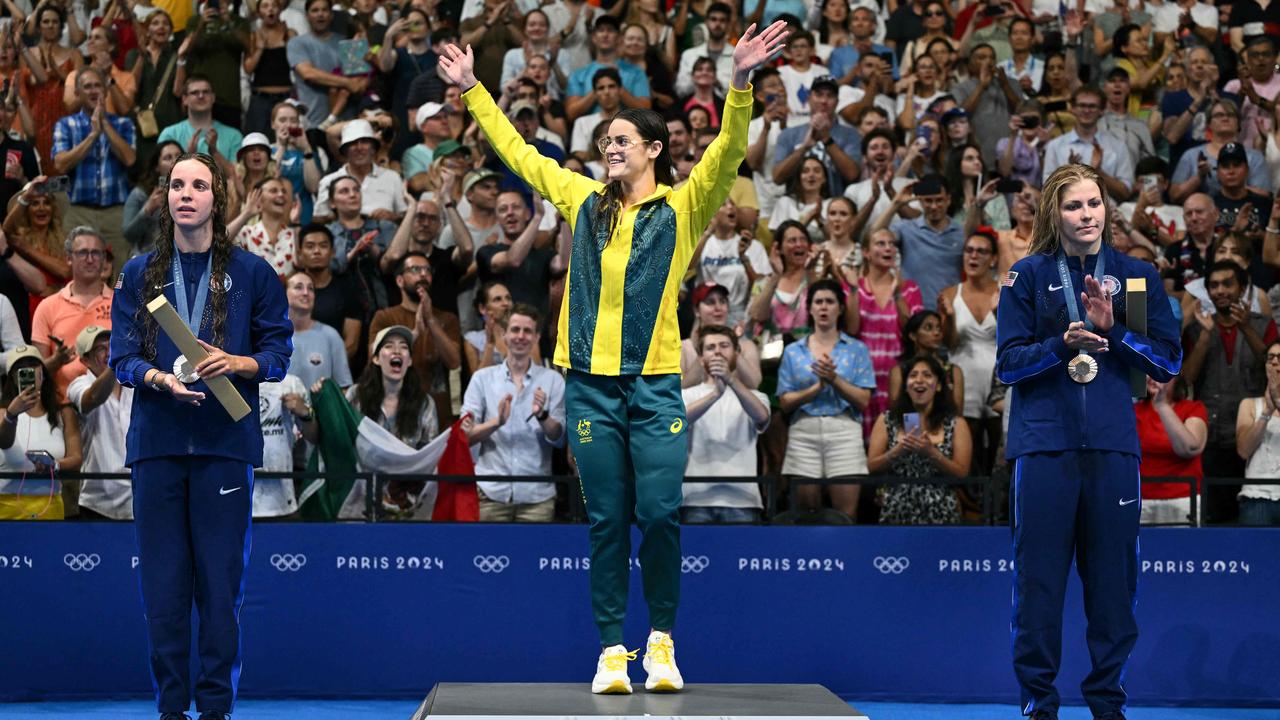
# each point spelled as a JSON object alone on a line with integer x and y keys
{"x": 753, "y": 50}
{"x": 459, "y": 66}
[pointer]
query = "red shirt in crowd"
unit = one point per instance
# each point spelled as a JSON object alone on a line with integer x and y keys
{"x": 1158, "y": 457}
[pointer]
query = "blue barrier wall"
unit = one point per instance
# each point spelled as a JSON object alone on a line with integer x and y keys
{"x": 872, "y": 613}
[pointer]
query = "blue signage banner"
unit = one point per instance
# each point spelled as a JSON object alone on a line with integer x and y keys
{"x": 870, "y": 612}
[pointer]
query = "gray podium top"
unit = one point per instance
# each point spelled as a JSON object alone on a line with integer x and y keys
{"x": 565, "y": 701}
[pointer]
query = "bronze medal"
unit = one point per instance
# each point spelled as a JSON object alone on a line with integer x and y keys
{"x": 1082, "y": 368}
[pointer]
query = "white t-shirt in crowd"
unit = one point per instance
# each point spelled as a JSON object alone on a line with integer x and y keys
{"x": 860, "y": 194}
{"x": 849, "y": 95}
{"x": 720, "y": 264}
{"x": 583, "y": 127}
{"x": 788, "y": 208}
{"x": 273, "y": 497}
{"x": 798, "y": 85}
{"x": 102, "y": 436}
{"x": 722, "y": 443}
{"x": 1167, "y": 216}
{"x": 767, "y": 191}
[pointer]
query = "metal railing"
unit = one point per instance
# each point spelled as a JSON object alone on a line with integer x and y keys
{"x": 991, "y": 491}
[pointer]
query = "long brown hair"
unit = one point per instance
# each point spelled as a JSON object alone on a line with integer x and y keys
{"x": 412, "y": 398}
{"x": 159, "y": 266}
{"x": 1044, "y": 234}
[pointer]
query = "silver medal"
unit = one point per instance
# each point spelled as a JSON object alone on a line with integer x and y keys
{"x": 184, "y": 370}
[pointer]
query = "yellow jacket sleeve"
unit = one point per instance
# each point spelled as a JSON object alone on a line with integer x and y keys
{"x": 565, "y": 189}
{"x": 711, "y": 180}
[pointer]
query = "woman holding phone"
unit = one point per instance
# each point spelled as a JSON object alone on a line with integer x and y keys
{"x": 920, "y": 436}
{"x": 37, "y": 436}
{"x": 192, "y": 465}
{"x": 632, "y": 240}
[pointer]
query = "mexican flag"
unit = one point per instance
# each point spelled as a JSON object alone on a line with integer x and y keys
{"x": 350, "y": 442}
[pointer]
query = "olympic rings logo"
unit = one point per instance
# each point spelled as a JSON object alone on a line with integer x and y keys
{"x": 80, "y": 562}
{"x": 694, "y": 563}
{"x": 288, "y": 562}
{"x": 491, "y": 563}
{"x": 891, "y": 565}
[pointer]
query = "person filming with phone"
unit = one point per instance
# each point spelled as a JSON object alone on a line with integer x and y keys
{"x": 38, "y": 437}
{"x": 920, "y": 436}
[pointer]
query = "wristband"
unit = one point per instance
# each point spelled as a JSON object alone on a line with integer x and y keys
{"x": 180, "y": 62}
{"x": 308, "y": 156}
{"x": 10, "y": 417}
{"x": 1270, "y": 231}
{"x": 542, "y": 416}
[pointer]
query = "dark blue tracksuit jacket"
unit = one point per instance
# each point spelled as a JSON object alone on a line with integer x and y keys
{"x": 193, "y": 474}
{"x": 1076, "y": 484}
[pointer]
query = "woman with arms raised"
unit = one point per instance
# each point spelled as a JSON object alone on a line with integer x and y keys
{"x": 619, "y": 340}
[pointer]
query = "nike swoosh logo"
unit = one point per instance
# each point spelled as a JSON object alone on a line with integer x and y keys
{"x": 224, "y": 491}
{"x": 1054, "y": 288}
{"x": 1128, "y": 502}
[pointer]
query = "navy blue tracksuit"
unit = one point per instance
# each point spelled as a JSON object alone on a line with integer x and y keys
{"x": 193, "y": 474}
{"x": 1076, "y": 485}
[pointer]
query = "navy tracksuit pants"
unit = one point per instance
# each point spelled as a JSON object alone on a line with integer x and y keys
{"x": 1083, "y": 504}
{"x": 192, "y": 517}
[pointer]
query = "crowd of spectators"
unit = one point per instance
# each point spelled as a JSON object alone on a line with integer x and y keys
{"x": 839, "y": 312}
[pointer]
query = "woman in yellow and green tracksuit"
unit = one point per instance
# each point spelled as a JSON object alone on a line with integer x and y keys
{"x": 619, "y": 340}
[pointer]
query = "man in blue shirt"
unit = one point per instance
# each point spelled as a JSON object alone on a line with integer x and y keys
{"x": 838, "y": 146}
{"x": 604, "y": 44}
{"x": 932, "y": 244}
{"x": 524, "y": 116}
{"x": 200, "y": 132}
{"x": 96, "y": 149}
{"x": 844, "y": 59}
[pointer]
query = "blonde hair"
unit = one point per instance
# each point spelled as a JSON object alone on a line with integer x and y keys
{"x": 1044, "y": 234}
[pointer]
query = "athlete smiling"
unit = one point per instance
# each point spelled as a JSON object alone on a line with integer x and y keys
{"x": 619, "y": 340}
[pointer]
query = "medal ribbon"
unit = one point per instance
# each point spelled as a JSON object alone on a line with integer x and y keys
{"x": 1099, "y": 274}
{"x": 194, "y": 316}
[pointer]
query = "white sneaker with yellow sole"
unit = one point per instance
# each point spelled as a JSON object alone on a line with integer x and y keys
{"x": 660, "y": 663}
{"x": 611, "y": 672}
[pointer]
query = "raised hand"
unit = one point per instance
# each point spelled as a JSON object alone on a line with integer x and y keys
{"x": 459, "y": 67}
{"x": 753, "y": 50}
{"x": 1097, "y": 304}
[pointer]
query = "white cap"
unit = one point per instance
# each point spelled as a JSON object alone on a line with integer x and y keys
{"x": 253, "y": 139}
{"x": 428, "y": 111}
{"x": 357, "y": 130}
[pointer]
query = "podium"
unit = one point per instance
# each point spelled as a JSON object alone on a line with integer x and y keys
{"x": 563, "y": 701}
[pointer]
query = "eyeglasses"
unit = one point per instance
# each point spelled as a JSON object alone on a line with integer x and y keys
{"x": 1273, "y": 358}
{"x": 935, "y": 13}
{"x": 88, "y": 254}
{"x": 623, "y": 142}
{"x": 416, "y": 270}
{"x": 977, "y": 251}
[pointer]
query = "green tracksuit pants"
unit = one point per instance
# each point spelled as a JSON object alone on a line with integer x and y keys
{"x": 628, "y": 436}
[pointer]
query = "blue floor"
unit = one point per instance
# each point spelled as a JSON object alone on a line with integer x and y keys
{"x": 403, "y": 709}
